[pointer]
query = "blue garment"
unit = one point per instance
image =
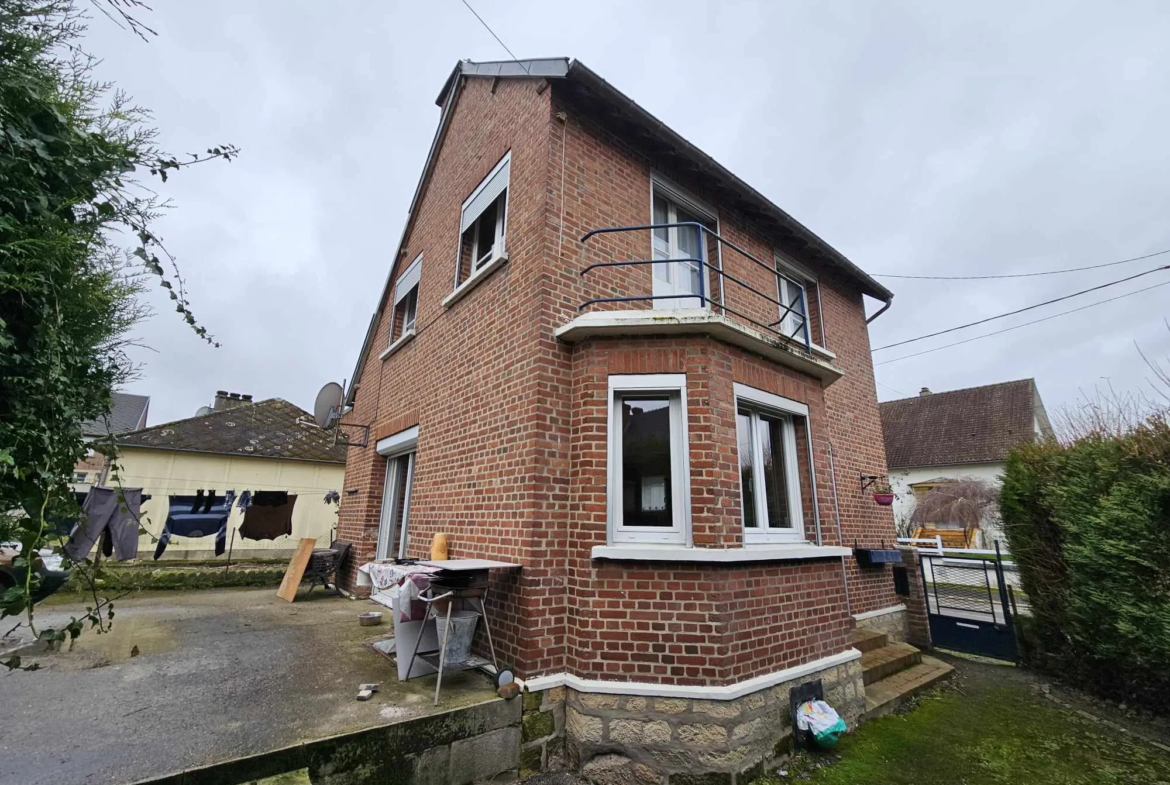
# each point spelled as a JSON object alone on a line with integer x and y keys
{"x": 207, "y": 518}
{"x": 245, "y": 500}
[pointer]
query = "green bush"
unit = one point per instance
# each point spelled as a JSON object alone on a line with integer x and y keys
{"x": 1089, "y": 525}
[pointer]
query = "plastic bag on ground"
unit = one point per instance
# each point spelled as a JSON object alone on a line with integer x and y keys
{"x": 822, "y": 720}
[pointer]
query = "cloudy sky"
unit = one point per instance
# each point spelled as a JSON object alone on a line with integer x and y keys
{"x": 918, "y": 138}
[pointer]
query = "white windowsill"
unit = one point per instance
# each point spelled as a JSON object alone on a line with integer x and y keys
{"x": 477, "y": 276}
{"x": 751, "y": 553}
{"x": 823, "y": 352}
{"x": 405, "y": 338}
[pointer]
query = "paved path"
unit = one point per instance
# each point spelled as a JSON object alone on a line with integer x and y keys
{"x": 219, "y": 674}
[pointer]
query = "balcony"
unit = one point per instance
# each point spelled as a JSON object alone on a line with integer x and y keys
{"x": 691, "y": 296}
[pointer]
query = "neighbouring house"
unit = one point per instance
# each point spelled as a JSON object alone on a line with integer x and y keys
{"x": 937, "y": 438}
{"x": 128, "y": 413}
{"x": 603, "y": 356}
{"x": 237, "y": 445}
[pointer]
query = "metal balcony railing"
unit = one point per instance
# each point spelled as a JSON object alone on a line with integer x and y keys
{"x": 799, "y": 331}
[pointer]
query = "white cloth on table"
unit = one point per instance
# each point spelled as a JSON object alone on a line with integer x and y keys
{"x": 412, "y": 580}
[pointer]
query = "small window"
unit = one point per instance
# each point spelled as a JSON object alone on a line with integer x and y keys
{"x": 406, "y": 300}
{"x": 80, "y": 477}
{"x": 794, "y": 311}
{"x": 769, "y": 473}
{"x": 649, "y": 485}
{"x": 482, "y": 226}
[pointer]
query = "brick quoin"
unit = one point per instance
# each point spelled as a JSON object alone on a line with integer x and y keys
{"x": 511, "y": 460}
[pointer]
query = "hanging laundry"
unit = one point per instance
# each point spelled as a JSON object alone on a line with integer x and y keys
{"x": 269, "y": 516}
{"x": 195, "y": 516}
{"x": 108, "y": 511}
{"x": 245, "y": 500}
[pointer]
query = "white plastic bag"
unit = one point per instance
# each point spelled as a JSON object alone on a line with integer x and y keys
{"x": 822, "y": 720}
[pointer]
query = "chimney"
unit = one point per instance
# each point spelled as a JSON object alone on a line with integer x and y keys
{"x": 924, "y": 392}
{"x": 228, "y": 400}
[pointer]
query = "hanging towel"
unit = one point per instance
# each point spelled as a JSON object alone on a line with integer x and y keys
{"x": 264, "y": 520}
{"x": 111, "y": 512}
{"x": 211, "y": 518}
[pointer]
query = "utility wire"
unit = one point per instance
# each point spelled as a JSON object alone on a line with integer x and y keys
{"x": 498, "y": 39}
{"x": 1020, "y": 310}
{"x": 1019, "y": 275}
{"x": 1018, "y": 326}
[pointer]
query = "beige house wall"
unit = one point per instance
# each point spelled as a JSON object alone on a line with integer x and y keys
{"x": 161, "y": 473}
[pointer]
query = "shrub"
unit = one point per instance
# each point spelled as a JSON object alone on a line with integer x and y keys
{"x": 1089, "y": 525}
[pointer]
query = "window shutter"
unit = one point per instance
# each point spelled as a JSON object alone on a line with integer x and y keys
{"x": 408, "y": 280}
{"x": 488, "y": 190}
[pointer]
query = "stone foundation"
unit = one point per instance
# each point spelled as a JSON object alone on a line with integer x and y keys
{"x": 892, "y": 622}
{"x": 623, "y": 739}
{"x": 542, "y": 732}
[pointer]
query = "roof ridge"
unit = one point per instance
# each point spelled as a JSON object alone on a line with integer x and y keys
{"x": 212, "y": 413}
{"x": 933, "y": 394}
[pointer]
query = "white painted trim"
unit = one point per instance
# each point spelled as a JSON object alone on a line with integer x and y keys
{"x": 698, "y": 321}
{"x": 724, "y": 692}
{"x": 462, "y": 289}
{"x": 464, "y": 221}
{"x": 879, "y": 612}
{"x": 823, "y": 352}
{"x": 403, "y": 339}
{"x": 769, "y": 400}
{"x": 398, "y": 443}
{"x": 648, "y": 381}
{"x": 408, "y": 280}
{"x": 754, "y": 553}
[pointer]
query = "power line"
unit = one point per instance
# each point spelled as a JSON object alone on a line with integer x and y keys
{"x": 1019, "y": 275}
{"x": 498, "y": 39}
{"x": 1018, "y": 326}
{"x": 888, "y": 387}
{"x": 1020, "y": 310}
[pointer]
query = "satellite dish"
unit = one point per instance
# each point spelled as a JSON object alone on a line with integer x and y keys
{"x": 202, "y": 411}
{"x": 327, "y": 409}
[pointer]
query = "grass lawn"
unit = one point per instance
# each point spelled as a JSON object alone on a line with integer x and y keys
{"x": 991, "y": 724}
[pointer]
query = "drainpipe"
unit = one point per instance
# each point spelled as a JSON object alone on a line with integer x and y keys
{"x": 840, "y": 536}
{"x": 882, "y": 310}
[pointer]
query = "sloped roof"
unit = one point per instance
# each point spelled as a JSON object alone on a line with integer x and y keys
{"x": 128, "y": 414}
{"x": 974, "y": 425}
{"x": 268, "y": 429}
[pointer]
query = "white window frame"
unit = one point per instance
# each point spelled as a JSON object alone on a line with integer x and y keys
{"x": 674, "y": 385}
{"x": 662, "y": 186}
{"x": 402, "y": 446}
{"x": 407, "y": 281}
{"x": 762, "y": 402}
{"x": 471, "y": 224}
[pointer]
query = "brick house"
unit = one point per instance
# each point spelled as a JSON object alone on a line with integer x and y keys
{"x": 672, "y": 449}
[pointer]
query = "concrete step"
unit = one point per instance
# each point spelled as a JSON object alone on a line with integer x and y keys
{"x": 888, "y": 660}
{"x": 886, "y": 695}
{"x": 868, "y": 640}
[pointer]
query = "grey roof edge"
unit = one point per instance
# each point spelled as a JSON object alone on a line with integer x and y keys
{"x": 161, "y": 448}
{"x": 962, "y": 390}
{"x": 562, "y": 68}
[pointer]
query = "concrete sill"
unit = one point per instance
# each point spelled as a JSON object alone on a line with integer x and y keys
{"x": 700, "y": 321}
{"x": 462, "y": 289}
{"x": 405, "y": 338}
{"x": 753, "y": 553}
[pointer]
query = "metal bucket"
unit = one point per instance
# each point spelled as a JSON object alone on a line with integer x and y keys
{"x": 462, "y": 631}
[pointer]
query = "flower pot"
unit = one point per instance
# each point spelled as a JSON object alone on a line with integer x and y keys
{"x": 884, "y": 499}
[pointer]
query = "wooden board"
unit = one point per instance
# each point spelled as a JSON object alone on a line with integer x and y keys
{"x": 296, "y": 570}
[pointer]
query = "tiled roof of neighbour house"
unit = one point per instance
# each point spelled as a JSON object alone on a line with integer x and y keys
{"x": 128, "y": 414}
{"x": 268, "y": 429}
{"x": 974, "y": 425}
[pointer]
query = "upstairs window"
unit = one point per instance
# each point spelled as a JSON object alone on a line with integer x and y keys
{"x": 484, "y": 219}
{"x": 794, "y": 311}
{"x": 406, "y": 301}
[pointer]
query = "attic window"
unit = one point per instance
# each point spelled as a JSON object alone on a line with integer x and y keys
{"x": 483, "y": 222}
{"x": 406, "y": 300}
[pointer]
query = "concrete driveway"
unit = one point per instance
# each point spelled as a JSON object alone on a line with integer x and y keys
{"x": 218, "y": 674}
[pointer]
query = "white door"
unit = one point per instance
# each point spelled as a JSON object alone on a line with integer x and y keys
{"x": 392, "y": 530}
{"x": 674, "y": 280}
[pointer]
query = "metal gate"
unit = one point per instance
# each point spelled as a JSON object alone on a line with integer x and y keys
{"x": 967, "y": 603}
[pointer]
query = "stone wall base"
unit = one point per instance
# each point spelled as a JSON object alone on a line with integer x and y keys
{"x": 894, "y": 624}
{"x": 624, "y": 739}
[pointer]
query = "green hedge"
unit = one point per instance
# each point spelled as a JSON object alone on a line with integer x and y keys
{"x": 1089, "y": 526}
{"x": 118, "y": 578}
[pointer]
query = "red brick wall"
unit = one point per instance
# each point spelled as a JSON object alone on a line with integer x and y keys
{"x": 511, "y": 457}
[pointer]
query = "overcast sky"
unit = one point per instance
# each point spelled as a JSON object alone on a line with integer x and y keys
{"x": 917, "y": 138}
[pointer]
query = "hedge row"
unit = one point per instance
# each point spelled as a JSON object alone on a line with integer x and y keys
{"x": 118, "y": 578}
{"x": 1089, "y": 526}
